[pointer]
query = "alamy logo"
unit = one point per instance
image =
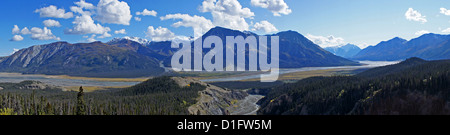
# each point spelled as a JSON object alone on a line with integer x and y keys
{"x": 214, "y": 59}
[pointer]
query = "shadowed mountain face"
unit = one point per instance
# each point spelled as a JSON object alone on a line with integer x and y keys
{"x": 346, "y": 51}
{"x": 85, "y": 59}
{"x": 428, "y": 46}
{"x": 295, "y": 49}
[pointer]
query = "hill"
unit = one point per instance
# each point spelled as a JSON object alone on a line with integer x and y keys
{"x": 94, "y": 59}
{"x": 412, "y": 87}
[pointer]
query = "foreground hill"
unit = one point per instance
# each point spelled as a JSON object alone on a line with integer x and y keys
{"x": 428, "y": 46}
{"x": 84, "y": 59}
{"x": 412, "y": 87}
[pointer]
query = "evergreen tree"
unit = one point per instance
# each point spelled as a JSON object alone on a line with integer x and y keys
{"x": 80, "y": 103}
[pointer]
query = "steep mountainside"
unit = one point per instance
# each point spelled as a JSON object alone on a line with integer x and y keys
{"x": 295, "y": 49}
{"x": 85, "y": 59}
{"x": 346, "y": 51}
{"x": 417, "y": 87}
{"x": 428, "y": 46}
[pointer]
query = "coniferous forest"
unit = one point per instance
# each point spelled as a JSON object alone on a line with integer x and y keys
{"x": 158, "y": 96}
{"x": 412, "y": 87}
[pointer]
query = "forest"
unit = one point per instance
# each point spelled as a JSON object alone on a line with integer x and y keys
{"x": 157, "y": 96}
{"x": 412, "y": 87}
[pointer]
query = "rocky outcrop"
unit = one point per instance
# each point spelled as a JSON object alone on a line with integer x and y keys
{"x": 213, "y": 100}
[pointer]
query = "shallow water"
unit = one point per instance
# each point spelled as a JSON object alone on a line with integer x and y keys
{"x": 16, "y": 78}
{"x": 369, "y": 64}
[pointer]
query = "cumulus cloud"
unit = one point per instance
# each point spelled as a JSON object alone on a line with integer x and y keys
{"x": 51, "y": 23}
{"x": 264, "y": 26}
{"x": 227, "y": 13}
{"x": 16, "y": 38}
{"x": 14, "y": 51}
{"x": 160, "y": 34}
{"x": 113, "y": 11}
{"x": 137, "y": 19}
{"x": 15, "y": 30}
{"x": 199, "y": 23}
{"x": 53, "y": 11}
{"x": 445, "y": 11}
{"x": 35, "y": 32}
{"x": 147, "y": 13}
{"x": 326, "y": 41}
{"x": 421, "y": 32}
{"x": 84, "y": 4}
{"x": 277, "y": 7}
{"x": 91, "y": 38}
{"x": 85, "y": 25}
{"x": 105, "y": 35}
{"x": 414, "y": 15}
{"x": 25, "y": 31}
{"x": 42, "y": 34}
{"x": 122, "y": 31}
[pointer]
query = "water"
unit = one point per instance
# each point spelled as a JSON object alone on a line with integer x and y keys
{"x": 368, "y": 64}
{"x": 16, "y": 78}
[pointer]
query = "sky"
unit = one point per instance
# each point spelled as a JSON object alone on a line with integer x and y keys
{"x": 326, "y": 22}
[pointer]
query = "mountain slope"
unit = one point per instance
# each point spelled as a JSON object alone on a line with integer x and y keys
{"x": 295, "y": 49}
{"x": 417, "y": 87}
{"x": 428, "y": 46}
{"x": 346, "y": 51}
{"x": 85, "y": 59}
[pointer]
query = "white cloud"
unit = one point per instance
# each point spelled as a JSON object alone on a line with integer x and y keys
{"x": 25, "y": 31}
{"x": 84, "y": 4}
{"x": 15, "y": 30}
{"x": 277, "y": 7}
{"x": 227, "y": 13}
{"x": 264, "y": 26}
{"x": 445, "y": 11}
{"x": 421, "y": 32}
{"x": 14, "y": 51}
{"x": 53, "y": 11}
{"x": 85, "y": 25}
{"x": 414, "y": 15}
{"x": 137, "y": 19}
{"x": 42, "y": 34}
{"x": 122, "y": 31}
{"x": 16, "y": 38}
{"x": 147, "y": 13}
{"x": 90, "y": 39}
{"x": 51, "y": 23}
{"x": 160, "y": 34}
{"x": 105, "y": 35}
{"x": 326, "y": 41}
{"x": 446, "y": 30}
{"x": 199, "y": 24}
{"x": 113, "y": 11}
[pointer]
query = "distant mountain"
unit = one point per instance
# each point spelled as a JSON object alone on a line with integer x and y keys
{"x": 346, "y": 51}
{"x": 84, "y": 59}
{"x": 428, "y": 46}
{"x": 295, "y": 49}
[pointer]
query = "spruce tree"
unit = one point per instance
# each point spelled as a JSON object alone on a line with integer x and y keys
{"x": 80, "y": 103}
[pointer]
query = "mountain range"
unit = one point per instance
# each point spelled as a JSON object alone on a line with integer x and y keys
{"x": 428, "y": 46}
{"x": 346, "y": 51}
{"x": 135, "y": 57}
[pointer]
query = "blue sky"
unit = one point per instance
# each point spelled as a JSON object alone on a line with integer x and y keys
{"x": 326, "y": 22}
